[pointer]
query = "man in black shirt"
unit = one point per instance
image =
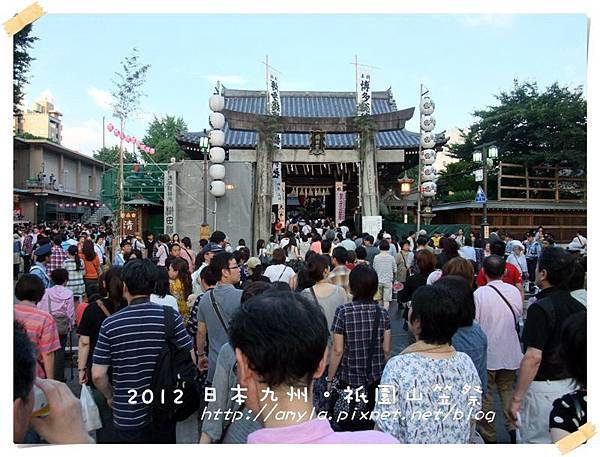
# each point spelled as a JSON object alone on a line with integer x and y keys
{"x": 542, "y": 377}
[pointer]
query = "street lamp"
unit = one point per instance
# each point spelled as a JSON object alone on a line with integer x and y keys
{"x": 483, "y": 153}
{"x": 405, "y": 184}
{"x": 204, "y": 149}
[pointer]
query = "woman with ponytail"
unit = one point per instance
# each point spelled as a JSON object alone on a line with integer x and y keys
{"x": 181, "y": 285}
{"x": 74, "y": 266}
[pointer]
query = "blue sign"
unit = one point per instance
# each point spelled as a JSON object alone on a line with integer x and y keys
{"x": 480, "y": 197}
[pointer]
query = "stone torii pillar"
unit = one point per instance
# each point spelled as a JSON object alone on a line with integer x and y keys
{"x": 267, "y": 126}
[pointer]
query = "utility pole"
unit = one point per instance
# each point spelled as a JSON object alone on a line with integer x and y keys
{"x": 419, "y": 175}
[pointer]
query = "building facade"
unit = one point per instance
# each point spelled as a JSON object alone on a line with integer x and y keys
{"x": 42, "y": 120}
{"x": 53, "y": 183}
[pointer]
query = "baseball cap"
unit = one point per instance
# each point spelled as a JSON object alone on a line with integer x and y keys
{"x": 212, "y": 247}
{"x": 44, "y": 249}
{"x": 253, "y": 262}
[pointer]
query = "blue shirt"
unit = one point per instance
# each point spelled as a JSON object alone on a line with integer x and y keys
{"x": 473, "y": 342}
{"x": 130, "y": 341}
{"x": 39, "y": 270}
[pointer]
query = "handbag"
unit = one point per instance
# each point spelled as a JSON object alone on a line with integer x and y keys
{"x": 352, "y": 410}
{"x": 517, "y": 326}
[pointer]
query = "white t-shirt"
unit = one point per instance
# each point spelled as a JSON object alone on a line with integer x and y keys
{"x": 167, "y": 300}
{"x": 280, "y": 272}
{"x": 196, "y": 286}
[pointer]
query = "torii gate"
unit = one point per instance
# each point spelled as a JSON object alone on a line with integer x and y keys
{"x": 267, "y": 126}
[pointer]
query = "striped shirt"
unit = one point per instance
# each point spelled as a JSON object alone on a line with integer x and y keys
{"x": 130, "y": 342}
{"x": 75, "y": 282}
{"x": 41, "y": 330}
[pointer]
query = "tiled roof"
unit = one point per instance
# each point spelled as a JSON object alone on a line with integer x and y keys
{"x": 311, "y": 104}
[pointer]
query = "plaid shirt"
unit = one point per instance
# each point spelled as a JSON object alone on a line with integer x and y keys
{"x": 340, "y": 276}
{"x": 57, "y": 258}
{"x": 355, "y": 322}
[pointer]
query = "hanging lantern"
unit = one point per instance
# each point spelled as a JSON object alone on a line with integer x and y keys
{"x": 428, "y": 173}
{"x": 217, "y": 188}
{"x": 427, "y": 105}
{"x": 216, "y": 120}
{"x": 216, "y": 137}
{"x": 217, "y": 154}
{"x": 427, "y": 123}
{"x": 405, "y": 184}
{"x": 216, "y": 171}
{"x": 427, "y": 140}
{"x": 428, "y": 156}
{"x": 216, "y": 102}
{"x": 116, "y": 132}
{"x": 428, "y": 189}
{"x": 110, "y": 127}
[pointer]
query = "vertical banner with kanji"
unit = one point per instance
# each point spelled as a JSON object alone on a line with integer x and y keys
{"x": 129, "y": 223}
{"x": 363, "y": 101}
{"x": 274, "y": 103}
{"x": 278, "y": 189}
{"x": 170, "y": 201}
{"x": 340, "y": 202}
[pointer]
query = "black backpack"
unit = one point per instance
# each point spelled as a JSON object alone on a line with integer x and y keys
{"x": 175, "y": 384}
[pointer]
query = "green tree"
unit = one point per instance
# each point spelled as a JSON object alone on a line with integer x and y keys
{"x": 110, "y": 156}
{"x": 161, "y": 136}
{"x": 532, "y": 127}
{"x": 22, "y": 43}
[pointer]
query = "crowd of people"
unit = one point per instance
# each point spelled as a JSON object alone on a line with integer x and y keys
{"x": 293, "y": 338}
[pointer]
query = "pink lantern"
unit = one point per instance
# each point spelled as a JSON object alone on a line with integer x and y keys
{"x": 116, "y": 132}
{"x": 122, "y": 135}
{"x": 134, "y": 140}
{"x": 110, "y": 127}
{"x": 152, "y": 151}
{"x": 127, "y": 139}
{"x": 141, "y": 146}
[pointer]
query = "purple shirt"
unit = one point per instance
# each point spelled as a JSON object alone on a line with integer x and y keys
{"x": 317, "y": 431}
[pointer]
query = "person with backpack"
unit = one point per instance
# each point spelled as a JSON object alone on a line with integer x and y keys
{"x": 131, "y": 343}
{"x": 58, "y": 302}
{"x": 108, "y": 301}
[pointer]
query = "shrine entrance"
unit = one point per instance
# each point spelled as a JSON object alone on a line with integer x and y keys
{"x": 310, "y": 190}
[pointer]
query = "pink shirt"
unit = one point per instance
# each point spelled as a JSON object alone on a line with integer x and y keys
{"x": 317, "y": 431}
{"x": 498, "y": 323}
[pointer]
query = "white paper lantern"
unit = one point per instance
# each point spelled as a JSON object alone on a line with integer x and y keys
{"x": 428, "y": 189}
{"x": 427, "y": 105}
{"x": 217, "y": 188}
{"x": 427, "y": 140}
{"x": 216, "y": 120}
{"x": 216, "y": 137}
{"x": 427, "y": 123}
{"x": 428, "y": 156}
{"x": 217, "y": 155}
{"x": 216, "y": 102}
{"x": 216, "y": 171}
{"x": 428, "y": 173}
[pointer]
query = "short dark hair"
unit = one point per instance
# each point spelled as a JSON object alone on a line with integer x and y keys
{"x": 461, "y": 292}
{"x": 577, "y": 279}
{"x": 340, "y": 254}
{"x": 254, "y": 288}
{"x": 498, "y": 248}
{"x": 363, "y": 282}
{"x": 558, "y": 265}
{"x": 59, "y": 276}
{"x": 24, "y": 362}
{"x": 219, "y": 263}
{"x": 217, "y": 237}
{"x": 361, "y": 253}
{"x": 351, "y": 256}
{"x": 422, "y": 241}
{"x": 438, "y": 313}
{"x": 384, "y": 245}
{"x": 29, "y": 287}
{"x": 278, "y": 256}
{"x": 139, "y": 275}
{"x": 57, "y": 240}
{"x": 573, "y": 347}
{"x": 370, "y": 239}
{"x": 326, "y": 246}
{"x": 283, "y": 335}
{"x": 208, "y": 276}
{"x": 315, "y": 267}
{"x": 494, "y": 266}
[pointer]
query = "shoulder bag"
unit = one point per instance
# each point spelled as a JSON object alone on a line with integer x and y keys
{"x": 62, "y": 321}
{"x": 216, "y": 307}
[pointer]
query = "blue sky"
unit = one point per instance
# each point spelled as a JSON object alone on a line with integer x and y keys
{"x": 462, "y": 59}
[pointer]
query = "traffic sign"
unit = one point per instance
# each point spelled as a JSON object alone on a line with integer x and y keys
{"x": 480, "y": 197}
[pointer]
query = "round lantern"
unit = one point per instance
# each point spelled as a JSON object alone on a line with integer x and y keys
{"x": 217, "y": 155}
{"x": 427, "y": 105}
{"x": 427, "y": 123}
{"x": 216, "y": 137}
{"x": 110, "y": 127}
{"x": 216, "y": 171}
{"x": 216, "y": 120}
{"x": 428, "y": 156}
{"x": 428, "y": 189}
{"x": 217, "y": 188}
{"x": 427, "y": 140}
{"x": 116, "y": 132}
{"x": 216, "y": 102}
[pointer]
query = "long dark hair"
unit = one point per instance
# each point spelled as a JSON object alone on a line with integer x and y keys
{"x": 74, "y": 251}
{"x": 183, "y": 273}
{"x": 88, "y": 250}
{"x": 111, "y": 287}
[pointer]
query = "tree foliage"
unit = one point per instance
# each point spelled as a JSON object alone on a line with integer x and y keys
{"x": 161, "y": 135}
{"x": 128, "y": 86}
{"x": 110, "y": 156}
{"x": 22, "y": 43}
{"x": 532, "y": 127}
